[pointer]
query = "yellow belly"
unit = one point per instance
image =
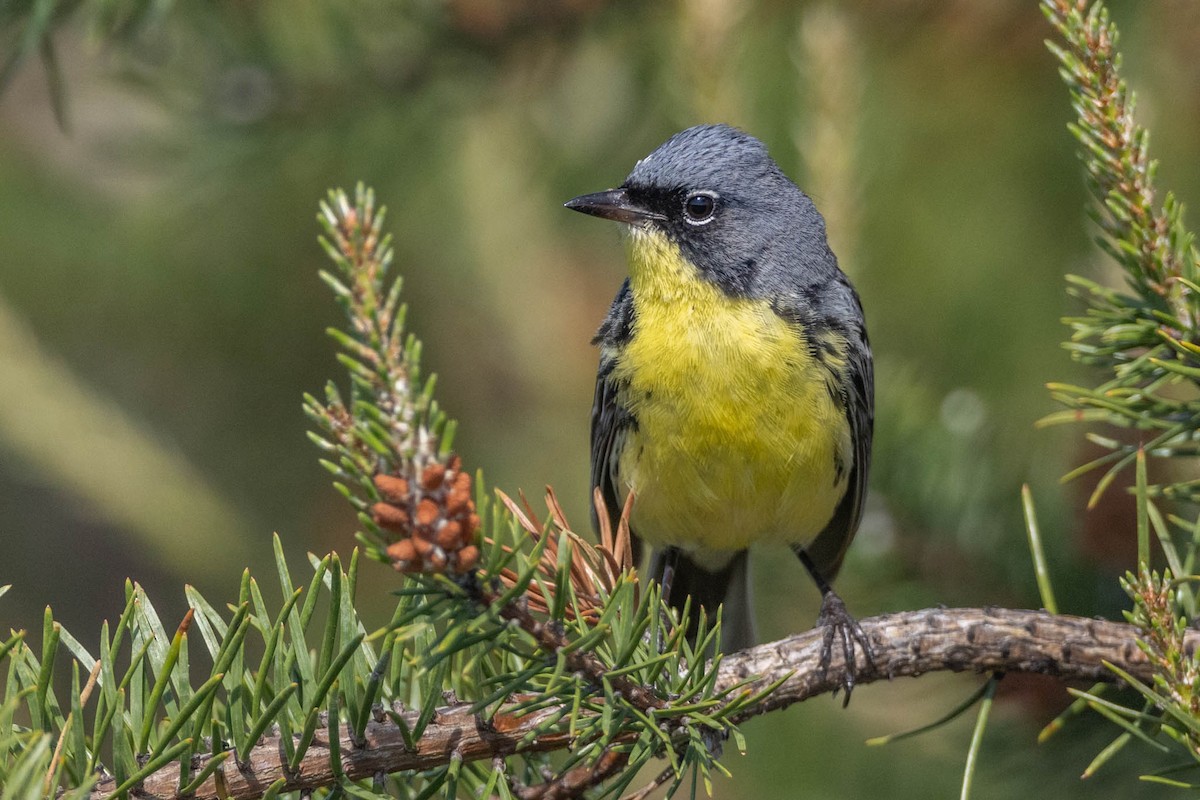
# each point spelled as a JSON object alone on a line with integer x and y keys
{"x": 737, "y": 440}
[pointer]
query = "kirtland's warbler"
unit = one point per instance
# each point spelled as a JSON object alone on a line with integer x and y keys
{"x": 735, "y": 394}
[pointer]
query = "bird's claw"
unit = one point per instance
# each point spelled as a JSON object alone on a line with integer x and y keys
{"x": 838, "y": 623}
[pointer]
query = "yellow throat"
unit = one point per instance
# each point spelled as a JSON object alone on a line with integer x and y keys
{"x": 738, "y": 437}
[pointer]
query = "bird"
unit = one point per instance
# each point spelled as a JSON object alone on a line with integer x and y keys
{"x": 734, "y": 394}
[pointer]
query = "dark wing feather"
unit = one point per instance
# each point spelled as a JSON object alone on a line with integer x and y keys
{"x": 610, "y": 419}
{"x": 858, "y": 385}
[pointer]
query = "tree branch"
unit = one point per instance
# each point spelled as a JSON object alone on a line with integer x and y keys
{"x": 905, "y": 644}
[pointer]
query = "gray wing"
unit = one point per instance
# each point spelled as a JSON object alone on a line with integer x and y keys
{"x": 858, "y": 398}
{"x": 610, "y": 420}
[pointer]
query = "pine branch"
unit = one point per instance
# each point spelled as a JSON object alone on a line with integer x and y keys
{"x": 550, "y": 638}
{"x": 1144, "y": 340}
{"x": 1148, "y": 240}
{"x": 574, "y": 782}
{"x": 906, "y": 644}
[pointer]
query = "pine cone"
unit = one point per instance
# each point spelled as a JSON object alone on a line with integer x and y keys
{"x": 434, "y": 521}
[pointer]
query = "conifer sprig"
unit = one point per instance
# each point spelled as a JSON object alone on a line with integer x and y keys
{"x": 1145, "y": 339}
{"x": 389, "y": 441}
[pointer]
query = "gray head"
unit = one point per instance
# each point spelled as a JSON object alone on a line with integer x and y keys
{"x": 715, "y": 192}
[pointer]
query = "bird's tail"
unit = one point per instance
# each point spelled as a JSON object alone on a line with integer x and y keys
{"x": 710, "y": 588}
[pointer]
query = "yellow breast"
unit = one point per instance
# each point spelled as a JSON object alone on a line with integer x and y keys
{"x": 738, "y": 439}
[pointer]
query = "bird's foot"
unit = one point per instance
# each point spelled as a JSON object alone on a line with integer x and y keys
{"x": 838, "y": 624}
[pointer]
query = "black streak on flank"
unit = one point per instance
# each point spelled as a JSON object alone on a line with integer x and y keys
{"x": 825, "y": 349}
{"x": 835, "y": 393}
{"x": 839, "y": 468}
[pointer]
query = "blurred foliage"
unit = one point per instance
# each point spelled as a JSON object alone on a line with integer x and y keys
{"x": 161, "y": 250}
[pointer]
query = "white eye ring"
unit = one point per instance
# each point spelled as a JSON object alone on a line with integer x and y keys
{"x": 700, "y": 207}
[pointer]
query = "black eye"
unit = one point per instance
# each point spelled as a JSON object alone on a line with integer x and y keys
{"x": 699, "y": 207}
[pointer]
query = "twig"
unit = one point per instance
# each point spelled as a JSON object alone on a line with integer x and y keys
{"x": 905, "y": 644}
{"x": 56, "y": 759}
{"x": 552, "y": 640}
{"x": 648, "y": 789}
{"x": 574, "y": 782}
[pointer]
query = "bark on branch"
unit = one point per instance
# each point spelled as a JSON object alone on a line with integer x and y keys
{"x": 906, "y": 644}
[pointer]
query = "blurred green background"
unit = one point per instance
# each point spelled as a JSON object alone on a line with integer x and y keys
{"x": 160, "y": 313}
